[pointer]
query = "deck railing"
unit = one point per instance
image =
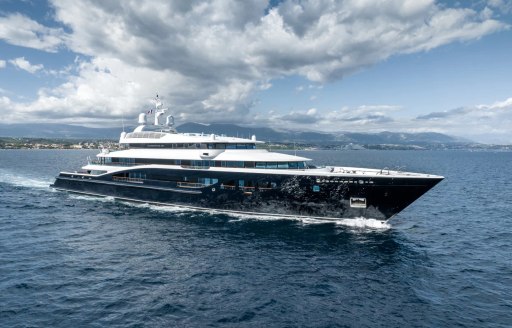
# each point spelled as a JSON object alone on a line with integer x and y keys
{"x": 196, "y": 167}
{"x": 190, "y": 184}
{"x": 126, "y": 179}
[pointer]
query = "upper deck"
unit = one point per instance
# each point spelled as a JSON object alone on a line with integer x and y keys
{"x": 164, "y": 135}
{"x": 168, "y": 139}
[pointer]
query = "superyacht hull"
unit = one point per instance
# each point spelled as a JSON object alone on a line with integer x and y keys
{"x": 316, "y": 196}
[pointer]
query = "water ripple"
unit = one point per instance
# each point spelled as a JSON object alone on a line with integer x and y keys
{"x": 68, "y": 260}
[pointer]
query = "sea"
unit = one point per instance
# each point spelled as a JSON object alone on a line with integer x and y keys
{"x": 76, "y": 261}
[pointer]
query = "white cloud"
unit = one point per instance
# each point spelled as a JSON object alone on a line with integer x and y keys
{"x": 307, "y": 117}
{"x": 489, "y": 122}
{"x": 366, "y": 118}
{"x": 369, "y": 118}
{"x": 503, "y": 5}
{"x": 236, "y": 92}
{"x": 506, "y": 104}
{"x": 207, "y": 58}
{"x": 2, "y": 63}
{"x": 103, "y": 89}
{"x": 5, "y": 101}
{"x": 19, "y": 30}
{"x": 25, "y": 65}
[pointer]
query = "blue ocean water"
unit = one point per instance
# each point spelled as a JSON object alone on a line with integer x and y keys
{"x": 68, "y": 260}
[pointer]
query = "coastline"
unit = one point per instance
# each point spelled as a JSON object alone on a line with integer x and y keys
{"x": 78, "y": 144}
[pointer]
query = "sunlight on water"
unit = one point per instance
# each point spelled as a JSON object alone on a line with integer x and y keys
{"x": 22, "y": 181}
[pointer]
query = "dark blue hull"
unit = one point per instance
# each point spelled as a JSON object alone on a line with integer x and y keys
{"x": 280, "y": 195}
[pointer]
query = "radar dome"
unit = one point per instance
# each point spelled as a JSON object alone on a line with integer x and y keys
{"x": 142, "y": 118}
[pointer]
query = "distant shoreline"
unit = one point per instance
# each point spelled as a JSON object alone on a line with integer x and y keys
{"x": 76, "y": 144}
{"x": 46, "y": 143}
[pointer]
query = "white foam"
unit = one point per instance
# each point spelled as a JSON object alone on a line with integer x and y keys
{"x": 359, "y": 223}
{"x": 364, "y": 223}
{"x": 236, "y": 217}
{"x": 107, "y": 199}
{"x": 133, "y": 204}
{"x": 177, "y": 210}
{"x": 170, "y": 209}
{"x": 23, "y": 180}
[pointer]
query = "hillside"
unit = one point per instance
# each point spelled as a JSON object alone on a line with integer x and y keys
{"x": 64, "y": 131}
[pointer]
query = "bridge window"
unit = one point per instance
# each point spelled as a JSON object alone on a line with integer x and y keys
{"x": 271, "y": 165}
{"x": 282, "y": 165}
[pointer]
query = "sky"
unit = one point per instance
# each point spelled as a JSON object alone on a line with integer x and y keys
{"x": 310, "y": 65}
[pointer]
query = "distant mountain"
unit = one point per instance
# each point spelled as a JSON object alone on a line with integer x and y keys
{"x": 268, "y": 134}
{"x": 264, "y": 134}
{"x": 49, "y": 130}
{"x": 423, "y": 138}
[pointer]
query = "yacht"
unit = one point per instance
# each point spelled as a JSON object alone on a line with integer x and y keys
{"x": 155, "y": 164}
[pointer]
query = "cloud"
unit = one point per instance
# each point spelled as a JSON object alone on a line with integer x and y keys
{"x": 102, "y": 89}
{"x": 482, "y": 111}
{"x": 505, "y": 104}
{"x": 484, "y": 122}
{"x": 2, "y": 63}
{"x": 209, "y": 58}
{"x": 369, "y": 118}
{"x": 5, "y": 101}
{"x": 504, "y": 6}
{"x": 19, "y": 30}
{"x": 445, "y": 114}
{"x": 363, "y": 115}
{"x": 25, "y": 65}
{"x": 366, "y": 118}
{"x": 307, "y": 117}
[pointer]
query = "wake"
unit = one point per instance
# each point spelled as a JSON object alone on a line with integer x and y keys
{"x": 359, "y": 223}
{"x": 364, "y": 223}
{"x": 23, "y": 181}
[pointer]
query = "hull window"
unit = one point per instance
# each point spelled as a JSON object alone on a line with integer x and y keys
{"x": 357, "y": 202}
